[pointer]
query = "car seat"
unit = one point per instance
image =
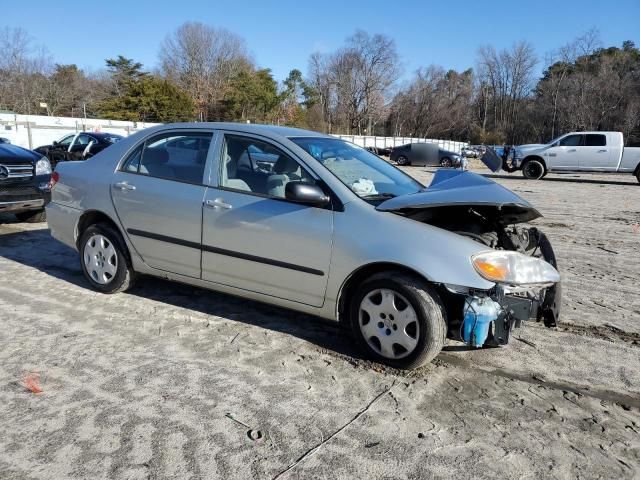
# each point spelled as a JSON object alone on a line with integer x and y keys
{"x": 154, "y": 163}
{"x": 285, "y": 170}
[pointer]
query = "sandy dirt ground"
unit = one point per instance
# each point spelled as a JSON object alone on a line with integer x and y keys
{"x": 169, "y": 381}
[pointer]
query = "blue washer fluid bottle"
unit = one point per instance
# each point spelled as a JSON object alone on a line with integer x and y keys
{"x": 479, "y": 312}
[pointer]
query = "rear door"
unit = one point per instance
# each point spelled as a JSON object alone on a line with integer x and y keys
{"x": 566, "y": 154}
{"x": 252, "y": 237}
{"x": 596, "y": 154}
{"x": 158, "y": 194}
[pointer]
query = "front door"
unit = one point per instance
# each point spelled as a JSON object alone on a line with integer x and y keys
{"x": 158, "y": 195}
{"x": 252, "y": 237}
{"x": 566, "y": 154}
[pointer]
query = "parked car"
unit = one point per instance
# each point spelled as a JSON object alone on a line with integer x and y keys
{"x": 424, "y": 154}
{"x": 78, "y": 146}
{"x": 318, "y": 232}
{"x": 470, "y": 152}
{"x": 579, "y": 152}
{"x": 4, "y": 140}
{"x": 380, "y": 151}
{"x": 24, "y": 183}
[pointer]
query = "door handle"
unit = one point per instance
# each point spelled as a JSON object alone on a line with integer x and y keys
{"x": 124, "y": 186}
{"x": 217, "y": 203}
{"x": 602, "y": 151}
{"x": 572, "y": 150}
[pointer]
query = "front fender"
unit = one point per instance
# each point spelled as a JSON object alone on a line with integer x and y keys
{"x": 364, "y": 236}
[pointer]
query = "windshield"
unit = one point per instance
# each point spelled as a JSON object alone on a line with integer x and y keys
{"x": 367, "y": 175}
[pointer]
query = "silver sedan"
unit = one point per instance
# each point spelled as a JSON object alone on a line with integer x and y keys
{"x": 312, "y": 223}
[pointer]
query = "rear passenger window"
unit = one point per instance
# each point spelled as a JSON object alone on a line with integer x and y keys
{"x": 596, "y": 140}
{"x": 173, "y": 156}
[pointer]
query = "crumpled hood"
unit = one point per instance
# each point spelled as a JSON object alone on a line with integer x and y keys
{"x": 457, "y": 188}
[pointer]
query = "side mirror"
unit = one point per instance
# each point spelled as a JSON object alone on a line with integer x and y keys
{"x": 306, "y": 193}
{"x": 55, "y": 142}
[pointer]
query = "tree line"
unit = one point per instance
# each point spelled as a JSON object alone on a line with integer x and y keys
{"x": 207, "y": 74}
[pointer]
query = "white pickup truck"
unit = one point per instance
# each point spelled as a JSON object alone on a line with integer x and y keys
{"x": 578, "y": 152}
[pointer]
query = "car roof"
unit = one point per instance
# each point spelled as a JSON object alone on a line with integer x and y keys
{"x": 260, "y": 129}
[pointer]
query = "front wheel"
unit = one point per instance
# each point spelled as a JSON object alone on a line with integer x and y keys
{"x": 402, "y": 160}
{"x": 103, "y": 260}
{"x": 638, "y": 175}
{"x": 32, "y": 216}
{"x": 446, "y": 162}
{"x": 398, "y": 320}
{"x": 533, "y": 170}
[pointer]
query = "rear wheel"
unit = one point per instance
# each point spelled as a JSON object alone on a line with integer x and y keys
{"x": 398, "y": 319}
{"x": 638, "y": 175}
{"x": 533, "y": 169}
{"x": 103, "y": 260}
{"x": 32, "y": 216}
{"x": 402, "y": 160}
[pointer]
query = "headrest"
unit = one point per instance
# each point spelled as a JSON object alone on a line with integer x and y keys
{"x": 156, "y": 156}
{"x": 285, "y": 164}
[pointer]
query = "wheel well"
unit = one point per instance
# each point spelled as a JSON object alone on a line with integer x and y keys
{"x": 535, "y": 157}
{"x": 360, "y": 275}
{"x": 91, "y": 218}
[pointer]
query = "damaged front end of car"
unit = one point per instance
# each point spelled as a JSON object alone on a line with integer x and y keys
{"x": 519, "y": 259}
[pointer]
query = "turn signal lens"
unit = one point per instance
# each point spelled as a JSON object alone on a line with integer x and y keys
{"x": 489, "y": 270}
{"x": 514, "y": 268}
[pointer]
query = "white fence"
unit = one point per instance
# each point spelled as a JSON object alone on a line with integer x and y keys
{"x": 388, "y": 142}
{"x": 31, "y": 131}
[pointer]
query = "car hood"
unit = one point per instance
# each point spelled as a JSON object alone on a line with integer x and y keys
{"x": 13, "y": 153}
{"x": 455, "y": 188}
{"x": 531, "y": 146}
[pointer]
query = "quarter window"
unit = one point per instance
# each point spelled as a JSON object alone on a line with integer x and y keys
{"x": 596, "y": 140}
{"x": 173, "y": 156}
{"x": 258, "y": 167}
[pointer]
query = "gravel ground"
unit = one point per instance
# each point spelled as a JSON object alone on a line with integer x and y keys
{"x": 143, "y": 384}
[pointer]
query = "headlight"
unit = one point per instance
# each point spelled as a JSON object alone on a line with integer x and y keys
{"x": 513, "y": 268}
{"x": 43, "y": 167}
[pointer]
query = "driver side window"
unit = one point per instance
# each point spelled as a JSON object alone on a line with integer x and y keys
{"x": 254, "y": 166}
{"x": 571, "y": 141}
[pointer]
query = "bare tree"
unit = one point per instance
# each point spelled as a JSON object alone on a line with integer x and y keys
{"x": 508, "y": 78}
{"x": 203, "y": 60}
{"x": 23, "y": 71}
{"x": 355, "y": 82}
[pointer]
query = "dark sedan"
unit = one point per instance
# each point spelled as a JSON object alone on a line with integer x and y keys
{"x": 78, "y": 146}
{"x": 424, "y": 154}
{"x": 24, "y": 183}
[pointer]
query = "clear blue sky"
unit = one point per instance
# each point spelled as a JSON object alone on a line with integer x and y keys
{"x": 282, "y": 34}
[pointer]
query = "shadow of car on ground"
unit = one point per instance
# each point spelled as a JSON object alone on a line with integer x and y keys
{"x": 61, "y": 263}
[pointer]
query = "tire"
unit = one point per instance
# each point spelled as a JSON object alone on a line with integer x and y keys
{"x": 446, "y": 162}
{"x": 104, "y": 259}
{"x": 402, "y": 160}
{"x": 638, "y": 175}
{"x": 533, "y": 169}
{"x": 32, "y": 216}
{"x": 414, "y": 302}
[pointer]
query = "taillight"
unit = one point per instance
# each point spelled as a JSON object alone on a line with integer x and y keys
{"x": 55, "y": 176}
